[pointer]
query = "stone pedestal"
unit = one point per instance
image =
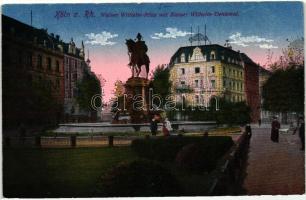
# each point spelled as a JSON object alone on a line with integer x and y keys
{"x": 137, "y": 99}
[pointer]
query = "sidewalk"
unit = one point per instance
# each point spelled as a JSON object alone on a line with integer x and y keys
{"x": 274, "y": 168}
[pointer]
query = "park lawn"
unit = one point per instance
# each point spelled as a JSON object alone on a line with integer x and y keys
{"x": 71, "y": 172}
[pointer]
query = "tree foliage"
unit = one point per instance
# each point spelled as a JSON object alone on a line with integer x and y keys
{"x": 161, "y": 81}
{"x": 284, "y": 90}
{"x": 88, "y": 87}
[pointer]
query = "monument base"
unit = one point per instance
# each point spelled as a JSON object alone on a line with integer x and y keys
{"x": 137, "y": 101}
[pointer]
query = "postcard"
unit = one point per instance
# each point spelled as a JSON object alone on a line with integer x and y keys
{"x": 152, "y": 99}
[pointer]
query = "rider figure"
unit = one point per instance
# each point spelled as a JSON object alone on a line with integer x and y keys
{"x": 140, "y": 45}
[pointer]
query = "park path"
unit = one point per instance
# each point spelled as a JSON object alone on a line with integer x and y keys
{"x": 274, "y": 168}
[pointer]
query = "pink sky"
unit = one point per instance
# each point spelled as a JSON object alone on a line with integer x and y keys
{"x": 113, "y": 65}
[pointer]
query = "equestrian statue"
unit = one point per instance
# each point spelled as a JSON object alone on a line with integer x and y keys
{"x": 137, "y": 51}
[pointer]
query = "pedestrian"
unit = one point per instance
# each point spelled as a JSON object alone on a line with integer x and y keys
{"x": 302, "y": 133}
{"x": 259, "y": 122}
{"x": 167, "y": 127}
{"x": 275, "y": 129}
{"x": 301, "y": 128}
{"x": 153, "y": 125}
{"x": 248, "y": 130}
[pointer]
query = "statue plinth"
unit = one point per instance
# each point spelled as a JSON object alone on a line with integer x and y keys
{"x": 137, "y": 99}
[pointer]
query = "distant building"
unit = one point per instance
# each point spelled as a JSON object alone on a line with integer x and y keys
{"x": 251, "y": 82}
{"x": 74, "y": 68}
{"x": 201, "y": 73}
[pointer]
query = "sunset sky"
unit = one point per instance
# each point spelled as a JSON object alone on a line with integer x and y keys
{"x": 257, "y": 28}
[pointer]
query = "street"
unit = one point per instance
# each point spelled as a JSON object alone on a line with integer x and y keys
{"x": 274, "y": 168}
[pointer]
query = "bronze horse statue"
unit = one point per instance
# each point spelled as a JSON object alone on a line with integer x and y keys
{"x": 138, "y": 56}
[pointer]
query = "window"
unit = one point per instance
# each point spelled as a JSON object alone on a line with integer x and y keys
{"x": 224, "y": 83}
{"x": 75, "y": 76}
{"x": 212, "y": 69}
{"x": 197, "y": 99}
{"x": 58, "y": 83}
{"x": 204, "y": 57}
{"x": 183, "y": 58}
{"x": 19, "y": 58}
{"x": 197, "y": 56}
{"x": 29, "y": 60}
{"x": 213, "y": 83}
{"x": 197, "y": 70}
{"x": 49, "y": 63}
{"x": 39, "y": 61}
{"x": 57, "y": 66}
{"x": 222, "y": 57}
{"x": 183, "y": 83}
{"x": 212, "y": 55}
{"x": 196, "y": 83}
{"x": 182, "y": 71}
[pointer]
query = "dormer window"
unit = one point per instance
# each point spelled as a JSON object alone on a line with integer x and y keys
{"x": 183, "y": 58}
{"x": 197, "y": 54}
{"x": 212, "y": 55}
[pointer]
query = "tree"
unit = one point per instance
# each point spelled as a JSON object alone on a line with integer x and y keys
{"x": 88, "y": 87}
{"x": 119, "y": 88}
{"x": 284, "y": 90}
{"x": 161, "y": 81}
{"x": 292, "y": 56}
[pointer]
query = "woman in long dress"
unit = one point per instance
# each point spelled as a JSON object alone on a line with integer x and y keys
{"x": 275, "y": 130}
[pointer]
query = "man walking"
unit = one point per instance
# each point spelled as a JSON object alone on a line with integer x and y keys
{"x": 275, "y": 129}
{"x": 153, "y": 125}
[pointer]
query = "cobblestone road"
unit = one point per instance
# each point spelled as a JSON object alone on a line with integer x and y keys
{"x": 275, "y": 168}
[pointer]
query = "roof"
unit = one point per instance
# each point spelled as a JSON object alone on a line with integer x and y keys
{"x": 28, "y": 33}
{"x": 206, "y": 49}
{"x": 264, "y": 70}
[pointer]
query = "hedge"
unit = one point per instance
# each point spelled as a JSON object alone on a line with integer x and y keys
{"x": 166, "y": 149}
{"x": 138, "y": 178}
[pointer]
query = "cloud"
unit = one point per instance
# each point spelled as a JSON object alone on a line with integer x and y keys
{"x": 267, "y": 46}
{"x": 102, "y": 38}
{"x": 255, "y": 40}
{"x": 170, "y": 33}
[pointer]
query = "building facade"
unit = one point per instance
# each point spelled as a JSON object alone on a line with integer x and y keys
{"x": 74, "y": 69}
{"x": 31, "y": 60}
{"x": 40, "y": 74}
{"x": 251, "y": 82}
{"x": 203, "y": 73}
